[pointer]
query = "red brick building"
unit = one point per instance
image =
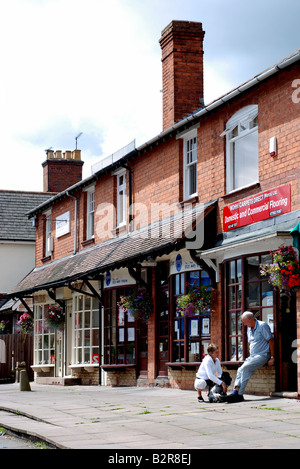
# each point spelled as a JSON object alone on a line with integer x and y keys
{"x": 203, "y": 202}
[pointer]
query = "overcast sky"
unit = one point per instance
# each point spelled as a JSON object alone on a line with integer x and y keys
{"x": 94, "y": 66}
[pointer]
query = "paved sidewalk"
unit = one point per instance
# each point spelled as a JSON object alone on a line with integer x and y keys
{"x": 93, "y": 417}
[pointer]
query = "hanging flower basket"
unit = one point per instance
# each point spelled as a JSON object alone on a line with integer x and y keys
{"x": 3, "y": 327}
{"x": 197, "y": 301}
{"x": 55, "y": 317}
{"x": 25, "y": 323}
{"x": 284, "y": 272}
{"x": 137, "y": 303}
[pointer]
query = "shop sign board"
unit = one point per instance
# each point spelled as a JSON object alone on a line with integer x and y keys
{"x": 258, "y": 207}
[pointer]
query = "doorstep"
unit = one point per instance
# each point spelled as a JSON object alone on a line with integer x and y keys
{"x": 58, "y": 381}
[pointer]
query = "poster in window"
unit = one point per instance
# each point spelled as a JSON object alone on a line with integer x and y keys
{"x": 130, "y": 317}
{"x": 130, "y": 334}
{"x": 121, "y": 316}
{"x": 63, "y": 224}
{"x": 194, "y": 328}
{"x": 95, "y": 358}
{"x": 121, "y": 334}
{"x": 205, "y": 326}
{"x": 271, "y": 322}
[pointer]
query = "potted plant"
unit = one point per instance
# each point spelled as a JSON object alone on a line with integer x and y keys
{"x": 198, "y": 300}
{"x": 137, "y": 303}
{"x": 25, "y": 323}
{"x": 284, "y": 272}
{"x": 54, "y": 317}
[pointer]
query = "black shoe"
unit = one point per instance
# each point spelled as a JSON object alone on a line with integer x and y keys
{"x": 234, "y": 398}
{"x": 200, "y": 399}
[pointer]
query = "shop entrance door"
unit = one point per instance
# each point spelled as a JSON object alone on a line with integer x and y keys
{"x": 142, "y": 348}
{"x": 59, "y": 352}
{"x": 163, "y": 319}
{"x": 63, "y": 345}
{"x": 287, "y": 335}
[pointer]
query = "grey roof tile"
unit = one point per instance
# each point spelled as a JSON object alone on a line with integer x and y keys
{"x": 15, "y": 225}
{"x": 111, "y": 254}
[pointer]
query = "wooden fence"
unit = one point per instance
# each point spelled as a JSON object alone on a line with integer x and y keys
{"x": 15, "y": 348}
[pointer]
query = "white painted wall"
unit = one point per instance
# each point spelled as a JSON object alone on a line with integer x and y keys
{"x": 16, "y": 261}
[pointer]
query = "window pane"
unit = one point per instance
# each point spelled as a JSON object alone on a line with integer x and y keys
{"x": 239, "y": 270}
{"x": 253, "y": 295}
{"x": 232, "y": 351}
{"x": 253, "y": 268}
{"x": 192, "y": 179}
{"x": 205, "y": 280}
{"x": 194, "y": 352}
{"x": 204, "y": 345}
{"x": 245, "y": 160}
{"x": 232, "y": 329}
{"x": 232, "y": 272}
{"x": 194, "y": 328}
{"x": 267, "y": 294}
{"x": 176, "y": 330}
{"x": 193, "y": 278}
{"x": 232, "y": 298}
{"x": 268, "y": 317}
{"x": 95, "y": 319}
{"x": 86, "y": 355}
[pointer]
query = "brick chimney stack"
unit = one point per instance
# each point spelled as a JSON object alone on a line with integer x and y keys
{"x": 62, "y": 170}
{"x": 182, "y": 68}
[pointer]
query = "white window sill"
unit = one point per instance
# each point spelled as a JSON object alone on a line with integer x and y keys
{"x": 87, "y": 367}
{"x": 242, "y": 188}
{"x": 44, "y": 368}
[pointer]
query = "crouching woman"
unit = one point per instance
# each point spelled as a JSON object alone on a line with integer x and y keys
{"x": 209, "y": 372}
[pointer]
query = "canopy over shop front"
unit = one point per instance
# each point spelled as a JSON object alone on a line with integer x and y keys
{"x": 156, "y": 239}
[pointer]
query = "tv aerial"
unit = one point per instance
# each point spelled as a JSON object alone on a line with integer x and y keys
{"x": 76, "y": 138}
{"x": 48, "y": 149}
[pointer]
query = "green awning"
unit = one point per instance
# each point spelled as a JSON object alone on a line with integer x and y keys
{"x": 295, "y": 233}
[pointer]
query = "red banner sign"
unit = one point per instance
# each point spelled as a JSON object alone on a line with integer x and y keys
{"x": 257, "y": 208}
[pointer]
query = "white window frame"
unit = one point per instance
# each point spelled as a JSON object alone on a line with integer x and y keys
{"x": 121, "y": 198}
{"x": 85, "y": 331}
{"x": 242, "y": 124}
{"x": 190, "y": 164}
{"x": 90, "y": 213}
{"x": 44, "y": 338}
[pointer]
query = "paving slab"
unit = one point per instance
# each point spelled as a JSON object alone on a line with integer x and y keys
{"x": 94, "y": 417}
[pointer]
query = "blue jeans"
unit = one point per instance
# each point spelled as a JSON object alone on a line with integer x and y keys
{"x": 245, "y": 372}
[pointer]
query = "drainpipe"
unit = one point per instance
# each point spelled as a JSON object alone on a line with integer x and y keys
{"x": 75, "y": 221}
{"x": 125, "y": 166}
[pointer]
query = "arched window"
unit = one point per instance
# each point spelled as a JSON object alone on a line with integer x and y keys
{"x": 242, "y": 148}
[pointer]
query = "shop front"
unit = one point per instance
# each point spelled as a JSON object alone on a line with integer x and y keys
{"x": 246, "y": 245}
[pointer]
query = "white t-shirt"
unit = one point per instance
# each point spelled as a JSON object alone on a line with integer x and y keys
{"x": 209, "y": 369}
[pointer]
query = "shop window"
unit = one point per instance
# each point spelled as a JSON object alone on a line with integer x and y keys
{"x": 119, "y": 330}
{"x": 86, "y": 330}
{"x": 242, "y": 148}
{"x": 44, "y": 338}
{"x": 245, "y": 290}
{"x": 191, "y": 334}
